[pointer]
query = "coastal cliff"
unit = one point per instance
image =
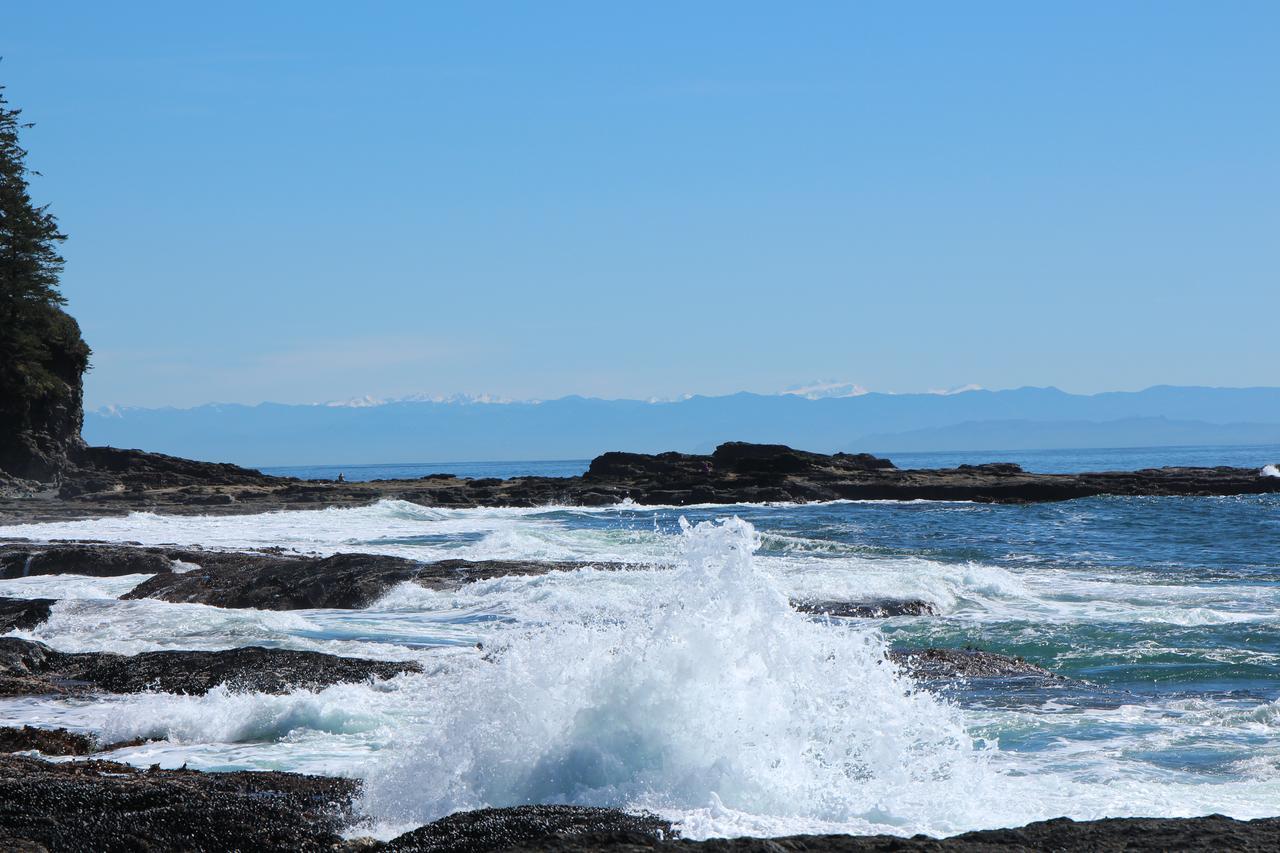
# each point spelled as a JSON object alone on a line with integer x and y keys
{"x": 42, "y": 355}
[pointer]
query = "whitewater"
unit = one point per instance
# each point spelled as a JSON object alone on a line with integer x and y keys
{"x": 687, "y": 685}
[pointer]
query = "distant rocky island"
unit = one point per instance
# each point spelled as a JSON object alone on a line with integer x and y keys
{"x": 96, "y": 481}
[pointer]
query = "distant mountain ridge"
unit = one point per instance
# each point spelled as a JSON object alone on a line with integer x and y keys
{"x": 1008, "y": 435}
{"x": 579, "y": 427}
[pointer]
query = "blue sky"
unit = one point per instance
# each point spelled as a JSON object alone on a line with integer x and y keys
{"x": 318, "y": 201}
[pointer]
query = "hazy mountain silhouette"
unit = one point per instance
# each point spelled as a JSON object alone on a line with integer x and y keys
{"x": 578, "y": 427}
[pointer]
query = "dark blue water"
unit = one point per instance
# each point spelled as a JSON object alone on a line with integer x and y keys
{"x": 1042, "y": 461}
{"x": 413, "y": 470}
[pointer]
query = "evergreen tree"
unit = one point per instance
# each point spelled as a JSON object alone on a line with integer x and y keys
{"x": 29, "y": 235}
{"x": 42, "y": 355}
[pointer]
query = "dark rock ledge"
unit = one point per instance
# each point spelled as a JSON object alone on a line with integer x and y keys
{"x": 104, "y": 806}
{"x": 274, "y": 580}
{"x": 28, "y": 668}
{"x": 106, "y": 481}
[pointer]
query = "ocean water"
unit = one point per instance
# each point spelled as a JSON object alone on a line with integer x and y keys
{"x": 685, "y": 684}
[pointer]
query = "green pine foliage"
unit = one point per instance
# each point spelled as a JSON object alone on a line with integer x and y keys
{"x": 42, "y": 355}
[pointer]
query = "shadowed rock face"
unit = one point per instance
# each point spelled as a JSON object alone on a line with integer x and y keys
{"x": 28, "y": 668}
{"x": 108, "y": 481}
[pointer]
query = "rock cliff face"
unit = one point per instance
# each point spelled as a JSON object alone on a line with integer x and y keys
{"x": 41, "y": 397}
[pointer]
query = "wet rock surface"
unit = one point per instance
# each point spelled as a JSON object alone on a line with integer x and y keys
{"x": 104, "y": 806}
{"x": 107, "y": 481}
{"x": 878, "y": 608}
{"x": 343, "y": 581}
{"x": 29, "y": 668}
{"x": 23, "y": 613}
{"x": 950, "y": 664}
{"x": 21, "y": 560}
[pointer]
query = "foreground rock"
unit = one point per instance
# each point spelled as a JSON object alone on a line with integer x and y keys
{"x": 28, "y": 668}
{"x": 106, "y": 481}
{"x": 1133, "y": 835}
{"x": 100, "y": 805}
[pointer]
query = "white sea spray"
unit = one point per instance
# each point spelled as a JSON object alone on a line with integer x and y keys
{"x": 705, "y": 688}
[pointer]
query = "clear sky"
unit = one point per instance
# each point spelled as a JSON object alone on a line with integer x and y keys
{"x": 309, "y": 201}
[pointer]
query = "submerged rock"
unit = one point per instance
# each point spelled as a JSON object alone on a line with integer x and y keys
{"x": 23, "y": 613}
{"x": 878, "y": 608}
{"x": 28, "y": 668}
{"x": 940, "y": 664}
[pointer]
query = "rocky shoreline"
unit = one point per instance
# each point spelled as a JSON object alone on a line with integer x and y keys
{"x": 95, "y": 805}
{"x": 86, "y": 803}
{"x": 105, "y": 481}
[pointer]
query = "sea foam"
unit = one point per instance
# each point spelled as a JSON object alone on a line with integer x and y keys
{"x": 705, "y": 690}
